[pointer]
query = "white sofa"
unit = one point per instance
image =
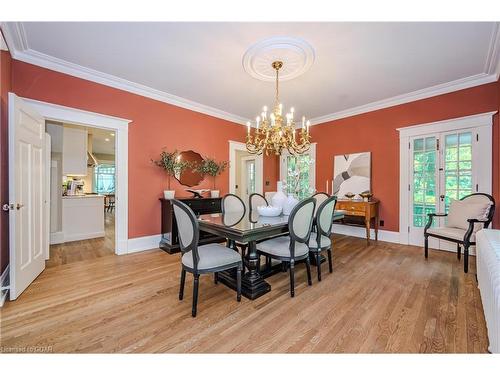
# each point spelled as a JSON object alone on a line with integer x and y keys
{"x": 488, "y": 277}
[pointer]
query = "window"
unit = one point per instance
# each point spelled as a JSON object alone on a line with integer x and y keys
{"x": 298, "y": 173}
{"x": 104, "y": 179}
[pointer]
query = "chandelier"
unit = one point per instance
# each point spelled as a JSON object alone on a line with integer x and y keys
{"x": 277, "y": 132}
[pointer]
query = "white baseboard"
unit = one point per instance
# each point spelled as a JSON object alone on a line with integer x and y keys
{"x": 4, "y": 282}
{"x": 143, "y": 243}
{"x": 56, "y": 238}
{"x": 349, "y": 230}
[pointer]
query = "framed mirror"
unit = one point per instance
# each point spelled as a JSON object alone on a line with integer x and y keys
{"x": 189, "y": 177}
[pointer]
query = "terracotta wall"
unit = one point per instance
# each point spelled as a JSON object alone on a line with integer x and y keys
{"x": 5, "y": 87}
{"x": 376, "y": 132}
{"x": 154, "y": 125}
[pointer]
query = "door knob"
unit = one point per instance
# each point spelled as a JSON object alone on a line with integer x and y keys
{"x": 442, "y": 197}
{"x": 7, "y": 207}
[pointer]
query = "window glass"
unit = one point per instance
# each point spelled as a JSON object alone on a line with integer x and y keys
{"x": 104, "y": 179}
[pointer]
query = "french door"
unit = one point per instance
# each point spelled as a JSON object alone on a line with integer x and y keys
{"x": 443, "y": 166}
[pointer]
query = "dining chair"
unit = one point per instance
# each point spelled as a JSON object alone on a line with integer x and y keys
{"x": 320, "y": 198}
{"x": 255, "y": 200}
{"x": 293, "y": 248}
{"x": 198, "y": 260}
{"x": 465, "y": 217}
{"x": 321, "y": 238}
{"x": 232, "y": 204}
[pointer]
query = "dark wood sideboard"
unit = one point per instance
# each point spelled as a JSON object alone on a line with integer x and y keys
{"x": 169, "y": 233}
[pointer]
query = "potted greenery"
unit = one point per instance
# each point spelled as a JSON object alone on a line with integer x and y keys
{"x": 172, "y": 164}
{"x": 213, "y": 168}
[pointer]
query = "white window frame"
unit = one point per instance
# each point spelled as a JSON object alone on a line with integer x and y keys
{"x": 312, "y": 168}
{"x": 481, "y": 123}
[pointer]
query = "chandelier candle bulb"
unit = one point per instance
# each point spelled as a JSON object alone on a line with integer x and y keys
{"x": 248, "y": 127}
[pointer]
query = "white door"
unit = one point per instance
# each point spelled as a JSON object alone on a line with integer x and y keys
{"x": 443, "y": 166}
{"x": 26, "y": 195}
{"x": 248, "y": 177}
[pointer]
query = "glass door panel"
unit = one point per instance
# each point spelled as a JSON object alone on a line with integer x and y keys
{"x": 424, "y": 179}
{"x": 458, "y": 178}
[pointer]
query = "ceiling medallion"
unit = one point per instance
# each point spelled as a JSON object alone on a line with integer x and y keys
{"x": 296, "y": 54}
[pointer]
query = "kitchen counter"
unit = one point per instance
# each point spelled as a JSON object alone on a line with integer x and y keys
{"x": 83, "y": 196}
{"x": 82, "y": 217}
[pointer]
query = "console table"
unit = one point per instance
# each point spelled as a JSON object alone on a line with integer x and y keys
{"x": 367, "y": 211}
{"x": 169, "y": 233}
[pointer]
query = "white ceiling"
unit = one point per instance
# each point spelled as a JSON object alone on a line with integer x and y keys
{"x": 357, "y": 66}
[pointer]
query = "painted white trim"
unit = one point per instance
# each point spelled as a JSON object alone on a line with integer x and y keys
{"x": 259, "y": 167}
{"x": 457, "y": 123}
{"x": 91, "y": 119}
{"x": 56, "y": 238}
{"x": 143, "y": 243}
{"x": 4, "y": 283}
{"x": 444, "y": 88}
{"x": 482, "y": 122}
{"x": 15, "y": 37}
{"x": 492, "y": 65}
{"x": 349, "y": 230}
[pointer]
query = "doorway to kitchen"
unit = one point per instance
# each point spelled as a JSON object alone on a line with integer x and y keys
{"x": 82, "y": 193}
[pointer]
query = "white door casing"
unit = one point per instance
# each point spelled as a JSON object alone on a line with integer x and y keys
{"x": 27, "y": 214}
{"x": 75, "y": 116}
{"x": 259, "y": 167}
{"x": 47, "y": 176}
{"x": 244, "y": 177}
{"x": 481, "y": 127}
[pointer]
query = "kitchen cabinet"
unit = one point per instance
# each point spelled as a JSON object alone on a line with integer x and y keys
{"x": 74, "y": 147}
{"x": 82, "y": 217}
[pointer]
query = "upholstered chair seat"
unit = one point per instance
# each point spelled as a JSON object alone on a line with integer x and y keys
{"x": 455, "y": 233}
{"x": 325, "y": 241}
{"x": 280, "y": 246}
{"x": 211, "y": 256}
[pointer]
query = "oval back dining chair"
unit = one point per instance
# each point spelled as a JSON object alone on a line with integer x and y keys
{"x": 320, "y": 198}
{"x": 255, "y": 200}
{"x": 293, "y": 248}
{"x": 210, "y": 258}
{"x": 231, "y": 203}
{"x": 321, "y": 239}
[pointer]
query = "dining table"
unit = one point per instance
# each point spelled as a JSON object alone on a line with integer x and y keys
{"x": 248, "y": 228}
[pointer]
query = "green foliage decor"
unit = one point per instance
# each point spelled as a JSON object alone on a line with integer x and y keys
{"x": 211, "y": 167}
{"x": 170, "y": 162}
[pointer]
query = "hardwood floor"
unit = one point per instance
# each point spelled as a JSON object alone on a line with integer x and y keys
{"x": 380, "y": 298}
{"x": 76, "y": 251}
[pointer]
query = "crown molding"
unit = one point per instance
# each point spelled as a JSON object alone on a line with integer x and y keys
{"x": 444, "y": 88}
{"x": 16, "y": 39}
{"x": 492, "y": 65}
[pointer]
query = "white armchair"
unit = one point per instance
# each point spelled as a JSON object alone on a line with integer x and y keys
{"x": 465, "y": 217}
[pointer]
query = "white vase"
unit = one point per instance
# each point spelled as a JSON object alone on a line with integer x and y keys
{"x": 214, "y": 193}
{"x": 169, "y": 194}
{"x": 279, "y": 198}
{"x": 290, "y": 203}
